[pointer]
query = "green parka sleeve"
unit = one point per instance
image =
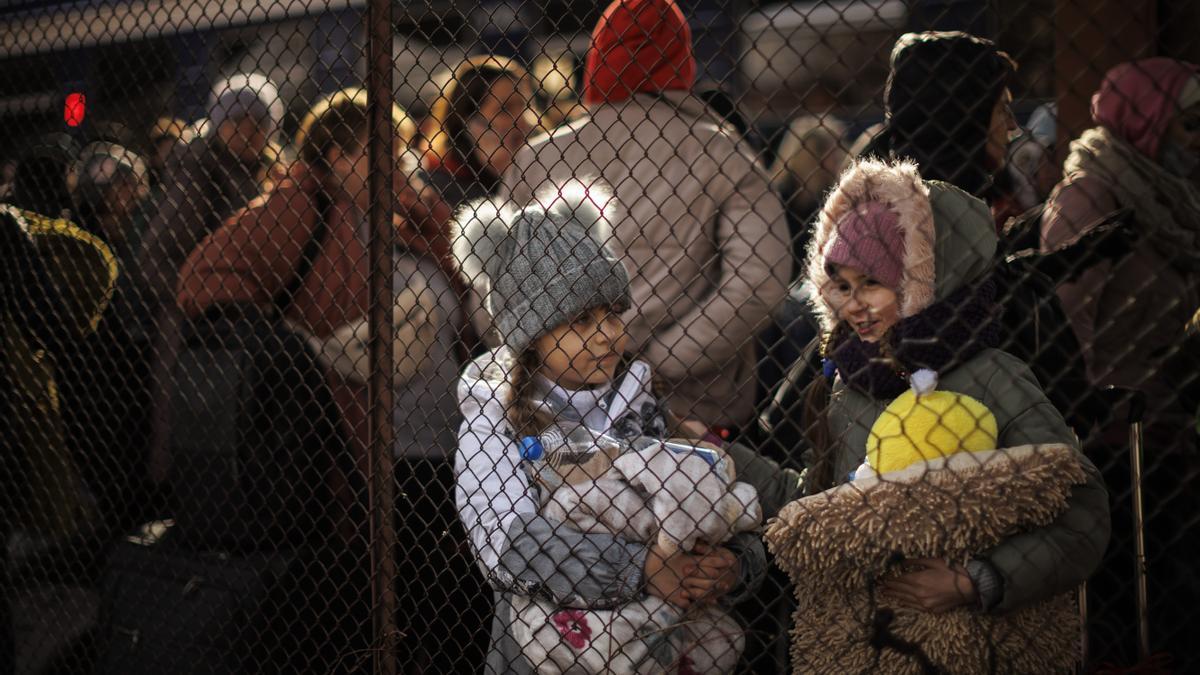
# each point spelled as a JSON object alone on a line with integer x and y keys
{"x": 1057, "y": 558}
{"x": 775, "y": 484}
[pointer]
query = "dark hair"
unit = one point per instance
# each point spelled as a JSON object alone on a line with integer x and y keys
{"x": 819, "y": 475}
{"x": 338, "y": 122}
{"x": 940, "y": 95}
{"x": 341, "y": 120}
{"x": 526, "y": 420}
{"x": 461, "y": 99}
{"x": 40, "y": 184}
{"x": 523, "y": 417}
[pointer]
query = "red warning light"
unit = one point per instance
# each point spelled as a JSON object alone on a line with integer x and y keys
{"x": 74, "y": 109}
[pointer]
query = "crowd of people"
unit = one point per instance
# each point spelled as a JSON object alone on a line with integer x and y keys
{"x": 632, "y": 272}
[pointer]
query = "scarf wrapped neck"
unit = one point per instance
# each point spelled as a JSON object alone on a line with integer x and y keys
{"x": 1166, "y": 206}
{"x": 945, "y": 334}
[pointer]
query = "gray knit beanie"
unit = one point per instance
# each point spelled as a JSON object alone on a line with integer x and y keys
{"x": 543, "y": 265}
{"x": 245, "y": 95}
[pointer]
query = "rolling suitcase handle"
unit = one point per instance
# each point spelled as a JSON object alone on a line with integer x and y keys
{"x": 1135, "y": 400}
{"x": 1137, "y": 411}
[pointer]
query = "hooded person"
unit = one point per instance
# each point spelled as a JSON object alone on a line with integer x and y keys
{"x": 705, "y": 238}
{"x": 946, "y": 106}
{"x": 948, "y": 110}
{"x": 1130, "y": 311}
{"x": 957, "y": 563}
{"x": 1140, "y": 156}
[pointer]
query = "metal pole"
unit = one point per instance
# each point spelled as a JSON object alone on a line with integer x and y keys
{"x": 1084, "y": 646}
{"x": 1136, "y": 411}
{"x": 381, "y": 134}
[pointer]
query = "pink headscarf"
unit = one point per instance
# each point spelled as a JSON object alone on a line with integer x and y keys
{"x": 1138, "y": 100}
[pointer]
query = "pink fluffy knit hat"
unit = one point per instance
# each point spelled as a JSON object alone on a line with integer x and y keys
{"x": 869, "y": 239}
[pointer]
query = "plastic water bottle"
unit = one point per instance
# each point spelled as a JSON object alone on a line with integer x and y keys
{"x": 718, "y": 461}
{"x": 551, "y": 454}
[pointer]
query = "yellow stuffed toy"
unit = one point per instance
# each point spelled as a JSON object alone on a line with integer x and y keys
{"x": 924, "y": 424}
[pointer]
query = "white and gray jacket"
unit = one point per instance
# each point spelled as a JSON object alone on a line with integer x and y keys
{"x": 521, "y": 551}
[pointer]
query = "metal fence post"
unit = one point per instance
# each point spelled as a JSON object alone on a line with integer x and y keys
{"x": 381, "y": 133}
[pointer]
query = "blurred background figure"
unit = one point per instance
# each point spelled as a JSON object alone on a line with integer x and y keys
{"x": 703, "y": 235}
{"x": 483, "y": 117}
{"x": 207, "y": 179}
{"x": 1131, "y": 309}
{"x": 46, "y": 176}
{"x": 166, "y": 133}
{"x": 105, "y": 382}
{"x": 1030, "y": 172}
{"x": 948, "y": 107}
{"x": 1031, "y": 157}
{"x": 55, "y": 283}
{"x": 112, "y": 182}
{"x": 559, "y": 98}
{"x": 211, "y": 176}
{"x": 807, "y": 164}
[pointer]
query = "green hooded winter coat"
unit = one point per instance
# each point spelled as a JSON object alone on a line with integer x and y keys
{"x": 1025, "y": 568}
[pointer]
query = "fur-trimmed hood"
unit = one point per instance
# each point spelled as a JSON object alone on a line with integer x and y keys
{"x": 949, "y": 239}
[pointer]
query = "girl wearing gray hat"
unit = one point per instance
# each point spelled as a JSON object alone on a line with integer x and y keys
{"x": 555, "y": 293}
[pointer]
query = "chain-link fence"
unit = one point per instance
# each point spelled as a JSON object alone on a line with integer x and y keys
{"x": 687, "y": 336}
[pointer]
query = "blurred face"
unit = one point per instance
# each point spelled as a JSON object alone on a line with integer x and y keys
{"x": 120, "y": 200}
{"x": 1184, "y": 130}
{"x": 869, "y": 307}
{"x": 585, "y": 352}
{"x": 1000, "y": 131}
{"x": 246, "y": 138}
{"x": 348, "y": 171}
{"x": 502, "y": 126}
{"x": 125, "y": 195}
{"x": 162, "y": 151}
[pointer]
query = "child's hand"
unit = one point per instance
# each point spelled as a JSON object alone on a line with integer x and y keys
{"x": 717, "y": 573}
{"x": 933, "y": 587}
{"x": 665, "y": 575}
{"x": 693, "y": 429}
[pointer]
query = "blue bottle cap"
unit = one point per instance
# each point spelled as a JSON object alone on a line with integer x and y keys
{"x": 531, "y": 449}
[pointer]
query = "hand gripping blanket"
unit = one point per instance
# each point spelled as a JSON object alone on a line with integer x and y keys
{"x": 649, "y": 495}
{"x": 838, "y": 544}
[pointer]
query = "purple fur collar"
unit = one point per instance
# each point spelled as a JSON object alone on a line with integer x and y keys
{"x": 940, "y": 337}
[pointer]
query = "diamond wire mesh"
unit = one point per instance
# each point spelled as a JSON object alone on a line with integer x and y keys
{"x": 613, "y": 226}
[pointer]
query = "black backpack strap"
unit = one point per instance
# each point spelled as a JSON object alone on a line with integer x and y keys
{"x": 312, "y": 248}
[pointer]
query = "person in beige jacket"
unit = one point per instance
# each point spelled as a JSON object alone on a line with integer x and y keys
{"x": 704, "y": 237}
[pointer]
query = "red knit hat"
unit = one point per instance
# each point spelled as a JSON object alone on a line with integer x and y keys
{"x": 638, "y": 46}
